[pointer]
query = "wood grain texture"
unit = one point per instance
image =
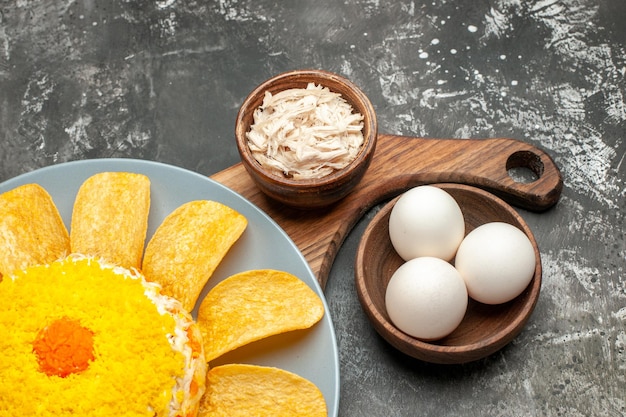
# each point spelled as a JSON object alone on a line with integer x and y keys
{"x": 308, "y": 192}
{"x": 400, "y": 163}
{"x": 485, "y": 328}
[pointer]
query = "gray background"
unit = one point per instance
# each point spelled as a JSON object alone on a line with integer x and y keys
{"x": 163, "y": 80}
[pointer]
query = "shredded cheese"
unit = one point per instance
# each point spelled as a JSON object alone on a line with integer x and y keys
{"x": 305, "y": 133}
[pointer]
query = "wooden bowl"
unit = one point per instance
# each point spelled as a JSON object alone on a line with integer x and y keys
{"x": 308, "y": 193}
{"x": 485, "y": 328}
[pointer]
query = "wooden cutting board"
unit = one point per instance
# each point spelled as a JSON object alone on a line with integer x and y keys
{"x": 400, "y": 163}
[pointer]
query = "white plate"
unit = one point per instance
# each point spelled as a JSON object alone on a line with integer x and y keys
{"x": 312, "y": 353}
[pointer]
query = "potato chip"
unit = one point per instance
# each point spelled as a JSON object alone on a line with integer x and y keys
{"x": 253, "y": 305}
{"x": 31, "y": 229}
{"x": 188, "y": 246}
{"x": 251, "y": 390}
{"x": 110, "y": 217}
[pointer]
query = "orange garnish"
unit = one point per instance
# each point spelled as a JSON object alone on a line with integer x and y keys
{"x": 194, "y": 343}
{"x": 64, "y": 347}
{"x": 193, "y": 387}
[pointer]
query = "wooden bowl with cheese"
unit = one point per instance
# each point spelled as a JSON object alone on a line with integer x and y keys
{"x": 306, "y": 137}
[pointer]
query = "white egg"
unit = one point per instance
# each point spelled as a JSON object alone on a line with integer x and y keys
{"x": 497, "y": 262}
{"x": 426, "y": 298}
{"x": 426, "y": 221}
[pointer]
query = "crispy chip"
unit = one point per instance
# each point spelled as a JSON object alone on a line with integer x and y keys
{"x": 31, "y": 229}
{"x": 188, "y": 246}
{"x": 110, "y": 217}
{"x": 250, "y": 390}
{"x": 253, "y": 305}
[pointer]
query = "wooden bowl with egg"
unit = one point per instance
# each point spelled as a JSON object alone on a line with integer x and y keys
{"x": 301, "y": 190}
{"x": 485, "y": 329}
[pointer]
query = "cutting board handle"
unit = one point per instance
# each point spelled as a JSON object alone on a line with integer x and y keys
{"x": 400, "y": 163}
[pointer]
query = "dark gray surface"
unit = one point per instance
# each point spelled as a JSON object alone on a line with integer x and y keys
{"x": 163, "y": 80}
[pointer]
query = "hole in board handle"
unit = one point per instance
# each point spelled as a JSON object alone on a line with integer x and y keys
{"x": 524, "y": 167}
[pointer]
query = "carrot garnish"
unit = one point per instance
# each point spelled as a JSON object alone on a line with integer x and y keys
{"x": 64, "y": 347}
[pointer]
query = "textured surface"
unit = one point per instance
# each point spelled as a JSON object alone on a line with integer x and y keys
{"x": 163, "y": 80}
{"x": 399, "y": 163}
{"x": 485, "y": 329}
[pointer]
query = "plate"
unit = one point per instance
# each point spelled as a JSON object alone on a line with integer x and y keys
{"x": 310, "y": 353}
